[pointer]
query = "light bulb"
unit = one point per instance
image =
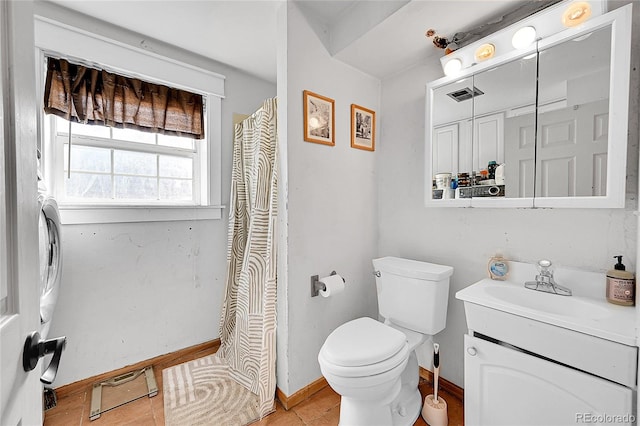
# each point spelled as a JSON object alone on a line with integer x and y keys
{"x": 485, "y": 51}
{"x": 576, "y": 14}
{"x": 453, "y": 66}
{"x": 523, "y": 37}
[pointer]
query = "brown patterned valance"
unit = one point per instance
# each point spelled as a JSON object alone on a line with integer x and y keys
{"x": 93, "y": 96}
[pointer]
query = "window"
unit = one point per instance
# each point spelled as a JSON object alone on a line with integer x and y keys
{"x": 124, "y": 166}
{"x": 122, "y": 175}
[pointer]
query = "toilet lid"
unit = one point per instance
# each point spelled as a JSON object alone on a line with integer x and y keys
{"x": 362, "y": 341}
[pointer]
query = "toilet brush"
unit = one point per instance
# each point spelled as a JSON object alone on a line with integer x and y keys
{"x": 434, "y": 410}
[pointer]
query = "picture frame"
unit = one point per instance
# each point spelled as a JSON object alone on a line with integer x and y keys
{"x": 319, "y": 118}
{"x": 363, "y": 128}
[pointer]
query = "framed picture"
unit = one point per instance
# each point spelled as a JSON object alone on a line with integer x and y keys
{"x": 319, "y": 119}
{"x": 363, "y": 128}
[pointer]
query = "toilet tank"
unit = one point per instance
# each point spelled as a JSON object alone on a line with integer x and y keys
{"x": 413, "y": 294}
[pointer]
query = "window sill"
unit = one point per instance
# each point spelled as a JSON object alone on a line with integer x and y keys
{"x": 75, "y": 215}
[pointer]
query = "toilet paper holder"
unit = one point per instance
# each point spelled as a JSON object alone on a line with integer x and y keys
{"x": 317, "y": 285}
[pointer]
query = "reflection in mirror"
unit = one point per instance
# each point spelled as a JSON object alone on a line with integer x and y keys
{"x": 546, "y": 121}
{"x": 503, "y": 129}
{"x": 451, "y": 138}
{"x": 483, "y": 133}
{"x": 573, "y": 117}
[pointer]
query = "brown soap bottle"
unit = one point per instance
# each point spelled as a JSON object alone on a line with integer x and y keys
{"x": 621, "y": 285}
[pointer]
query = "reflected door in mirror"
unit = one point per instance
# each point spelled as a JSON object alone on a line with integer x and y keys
{"x": 573, "y": 140}
{"x": 504, "y": 123}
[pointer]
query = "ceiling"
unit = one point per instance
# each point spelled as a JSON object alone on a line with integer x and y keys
{"x": 379, "y": 37}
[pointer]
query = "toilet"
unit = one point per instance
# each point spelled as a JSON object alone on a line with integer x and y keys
{"x": 373, "y": 365}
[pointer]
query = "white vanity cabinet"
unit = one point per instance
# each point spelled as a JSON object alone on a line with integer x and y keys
{"x": 536, "y": 358}
{"x": 506, "y": 386}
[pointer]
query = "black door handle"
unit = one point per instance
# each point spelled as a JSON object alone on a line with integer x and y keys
{"x": 35, "y": 348}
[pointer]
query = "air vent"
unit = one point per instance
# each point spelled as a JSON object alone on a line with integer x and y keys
{"x": 465, "y": 94}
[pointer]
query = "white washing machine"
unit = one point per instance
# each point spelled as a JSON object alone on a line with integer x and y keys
{"x": 50, "y": 264}
{"x": 50, "y": 249}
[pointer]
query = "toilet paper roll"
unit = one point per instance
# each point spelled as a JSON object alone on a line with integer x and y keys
{"x": 334, "y": 284}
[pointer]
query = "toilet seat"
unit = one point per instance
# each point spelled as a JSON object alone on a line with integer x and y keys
{"x": 363, "y": 347}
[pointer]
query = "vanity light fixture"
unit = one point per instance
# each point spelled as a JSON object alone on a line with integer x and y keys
{"x": 485, "y": 51}
{"x": 452, "y": 66}
{"x": 576, "y": 14}
{"x": 523, "y": 37}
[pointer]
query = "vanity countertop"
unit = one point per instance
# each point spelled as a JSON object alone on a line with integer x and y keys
{"x": 586, "y": 311}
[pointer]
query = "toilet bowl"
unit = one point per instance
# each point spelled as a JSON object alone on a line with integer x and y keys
{"x": 373, "y": 365}
{"x": 363, "y": 360}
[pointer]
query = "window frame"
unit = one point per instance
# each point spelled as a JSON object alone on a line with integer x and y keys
{"x": 55, "y": 39}
{"x": 58, "y": 139}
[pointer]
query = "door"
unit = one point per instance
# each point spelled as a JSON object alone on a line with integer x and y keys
{"x": 488, "y": 140}
{"x": 20, "y": 392}
{"x": 504, "y": 386}
{"x": 445, "y": 149}
{"x": 452, "y": 148}
{"x": 572, "y": 155}
{"x": 519, "y": 152}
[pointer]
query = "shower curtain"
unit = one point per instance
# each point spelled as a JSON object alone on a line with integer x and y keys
{"x": 248, "y": 321}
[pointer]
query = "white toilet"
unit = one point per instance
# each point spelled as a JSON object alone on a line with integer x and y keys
{"x": 373, "y": 366}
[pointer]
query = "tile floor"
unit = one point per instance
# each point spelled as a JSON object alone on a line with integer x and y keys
{"x": 73, "y": 409}
{"x": 322, "y": 408}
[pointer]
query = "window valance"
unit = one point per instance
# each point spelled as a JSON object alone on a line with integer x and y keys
{"x": 90, "y": 95}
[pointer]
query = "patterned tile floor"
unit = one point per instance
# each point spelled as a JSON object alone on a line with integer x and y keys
{"x": 322, "y": 408}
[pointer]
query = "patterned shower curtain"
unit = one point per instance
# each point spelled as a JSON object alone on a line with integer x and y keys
{"x": 248, "y": 323}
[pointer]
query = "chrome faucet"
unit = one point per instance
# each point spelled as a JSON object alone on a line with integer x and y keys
{"x": 545, "y": 282}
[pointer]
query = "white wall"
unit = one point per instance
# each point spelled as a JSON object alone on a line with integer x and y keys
{"x": 134, "y": 291}
{"x": 282, "y": 306}
{"x": 466, "y": 238}
{"x": 332, "y": 217}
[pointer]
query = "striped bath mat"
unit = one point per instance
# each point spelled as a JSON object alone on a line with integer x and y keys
{"x": 200, "y": 392}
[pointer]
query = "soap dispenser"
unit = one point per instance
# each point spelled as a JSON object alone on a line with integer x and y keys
{"x": 621, "y": 286}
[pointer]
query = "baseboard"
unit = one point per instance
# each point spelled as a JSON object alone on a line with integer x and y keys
{"x": 167, "y": 360}
{"x": 291, "y": 401}
{"x": 443, "y": 384}
{"x": 287, "y": 402}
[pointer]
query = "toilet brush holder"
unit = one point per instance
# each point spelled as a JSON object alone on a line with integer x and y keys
{"x": 435, "y": 412}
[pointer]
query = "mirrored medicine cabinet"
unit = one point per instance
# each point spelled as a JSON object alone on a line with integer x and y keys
{"x": 544, "y": 126}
